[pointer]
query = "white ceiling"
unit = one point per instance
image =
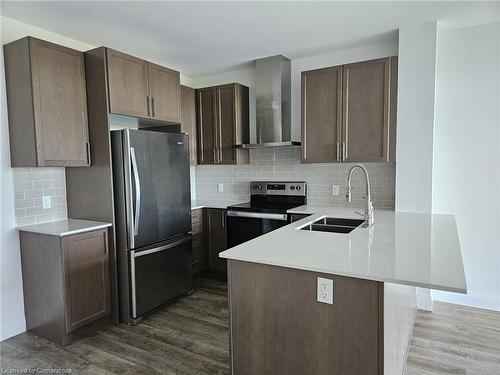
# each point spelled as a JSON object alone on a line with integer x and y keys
{"x": 200, "y": 38}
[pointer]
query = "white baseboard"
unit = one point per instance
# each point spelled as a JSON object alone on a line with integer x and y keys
{"x": 12, "y": 328}
{"x": 424, "y": 299}
{"x": 472, "y": 299}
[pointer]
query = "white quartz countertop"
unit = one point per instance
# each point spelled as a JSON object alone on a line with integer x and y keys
{"x": 67, "y": 227}
{"x": 413, "y": 249}
{"x": 213, "y": 203}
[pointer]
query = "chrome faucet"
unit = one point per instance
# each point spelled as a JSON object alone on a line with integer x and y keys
{"x": 368, "y": 215}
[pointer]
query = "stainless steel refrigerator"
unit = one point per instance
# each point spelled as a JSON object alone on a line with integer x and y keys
{"x": 152, "y": 219}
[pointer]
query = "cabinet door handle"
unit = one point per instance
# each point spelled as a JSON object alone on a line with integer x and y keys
{"x": 106, "y": 242}
{"x": 147, "y": 103}
{"x": 222, "y": 219}
{"x": 219, "y": 112}
{"x": 338, "y": 151}
{"x": 153, "y": 106}
{"x": 344, "y": 151}
{"x": 200, "y": 129}
{"x": 87, "y": 146}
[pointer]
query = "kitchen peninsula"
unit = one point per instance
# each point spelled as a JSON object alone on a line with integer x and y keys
{"x": 277, "y": 323}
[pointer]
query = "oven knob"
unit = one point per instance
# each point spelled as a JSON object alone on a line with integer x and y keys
{"x": 292, "y": 187}
{"x": 298, "y": 187}
{"x": 259, "y": 187}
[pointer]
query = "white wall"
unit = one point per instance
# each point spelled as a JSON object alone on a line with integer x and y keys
{"x": 11, "y": 296}
{"x": 368, "y": 52}
{"x": 12, "y": 319}
{"x": 466, "y": 171}
{"x": 247, "y": 76}
{"x": 416, "y": 91}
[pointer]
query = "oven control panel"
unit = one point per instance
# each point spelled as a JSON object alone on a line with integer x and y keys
{"x": 278, "y": 188}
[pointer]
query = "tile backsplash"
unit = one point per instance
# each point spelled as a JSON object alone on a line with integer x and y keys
{"x": 30, "y": 186}
{"x": 285, "y": 164}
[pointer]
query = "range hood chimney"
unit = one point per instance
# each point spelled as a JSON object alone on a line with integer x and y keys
{"x": 273, "y": 92}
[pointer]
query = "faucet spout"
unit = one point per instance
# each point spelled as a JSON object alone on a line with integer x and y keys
{"x": 368, "y": 216}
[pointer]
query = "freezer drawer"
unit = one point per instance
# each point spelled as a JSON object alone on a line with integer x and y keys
{"x": 159, "y": 274}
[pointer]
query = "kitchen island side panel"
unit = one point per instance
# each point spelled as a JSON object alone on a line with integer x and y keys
{"x": 400, "y": 308}
{"x": 278, "y": 327}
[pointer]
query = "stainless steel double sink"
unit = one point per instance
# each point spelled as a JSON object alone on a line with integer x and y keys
{"x": 334, "y": 225}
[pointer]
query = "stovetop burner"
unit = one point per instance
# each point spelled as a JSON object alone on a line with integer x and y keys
{"x": 273, "y": 197}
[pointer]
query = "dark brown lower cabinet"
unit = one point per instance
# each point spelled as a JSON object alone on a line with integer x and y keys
{"x": 215, "y": 233}
{"x": 66, "y": 283}
{"x": 199, "y": 258}
{"x": 278, "y": 327}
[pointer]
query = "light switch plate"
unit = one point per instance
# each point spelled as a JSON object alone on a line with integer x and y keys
{"x": 220, "y": 188}
{"x": 335, "y": 190}
{"x": 46, "y": 202}
{"x": 325, "y": 291}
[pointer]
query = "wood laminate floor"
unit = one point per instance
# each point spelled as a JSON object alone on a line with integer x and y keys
{"x": 455, "y": 339}
{"x": 191, "y": 337}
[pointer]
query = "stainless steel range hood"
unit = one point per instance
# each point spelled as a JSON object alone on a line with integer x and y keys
{"x": 272, "y": 94}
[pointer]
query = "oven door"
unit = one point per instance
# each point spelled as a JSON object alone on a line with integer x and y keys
{"x": 243, "y": 226}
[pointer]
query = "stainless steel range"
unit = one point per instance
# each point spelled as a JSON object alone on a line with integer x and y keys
{"x": 266, "y": 211}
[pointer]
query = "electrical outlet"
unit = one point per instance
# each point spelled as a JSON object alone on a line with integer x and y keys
{"x": 335, "y": 190}
{"x": 46, "y": 202}
{"x": 325, "y": 291}
{"x": 220, "y": 188}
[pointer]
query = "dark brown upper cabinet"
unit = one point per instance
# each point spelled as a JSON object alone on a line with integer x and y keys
{"x": 349, "y": 112}
{"x": 366, "y": 92}
{"x": 128, "y": 84}
{"x": 188, "y": 120}
{"x": 165, "y": 93}
{"x": 142, "y": 89}
{"x": 223, "y": 123}
{"x": 47, "y": 104}
{"x": 321, "y": 114}
{"x": 206, "y": 124}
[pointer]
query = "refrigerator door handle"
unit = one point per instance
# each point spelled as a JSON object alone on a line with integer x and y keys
{"x": 162, "y": 248}
{"x": 132, "y": 284}
{"x": 137, "y": 184}
{"x": 129, "y": 203}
